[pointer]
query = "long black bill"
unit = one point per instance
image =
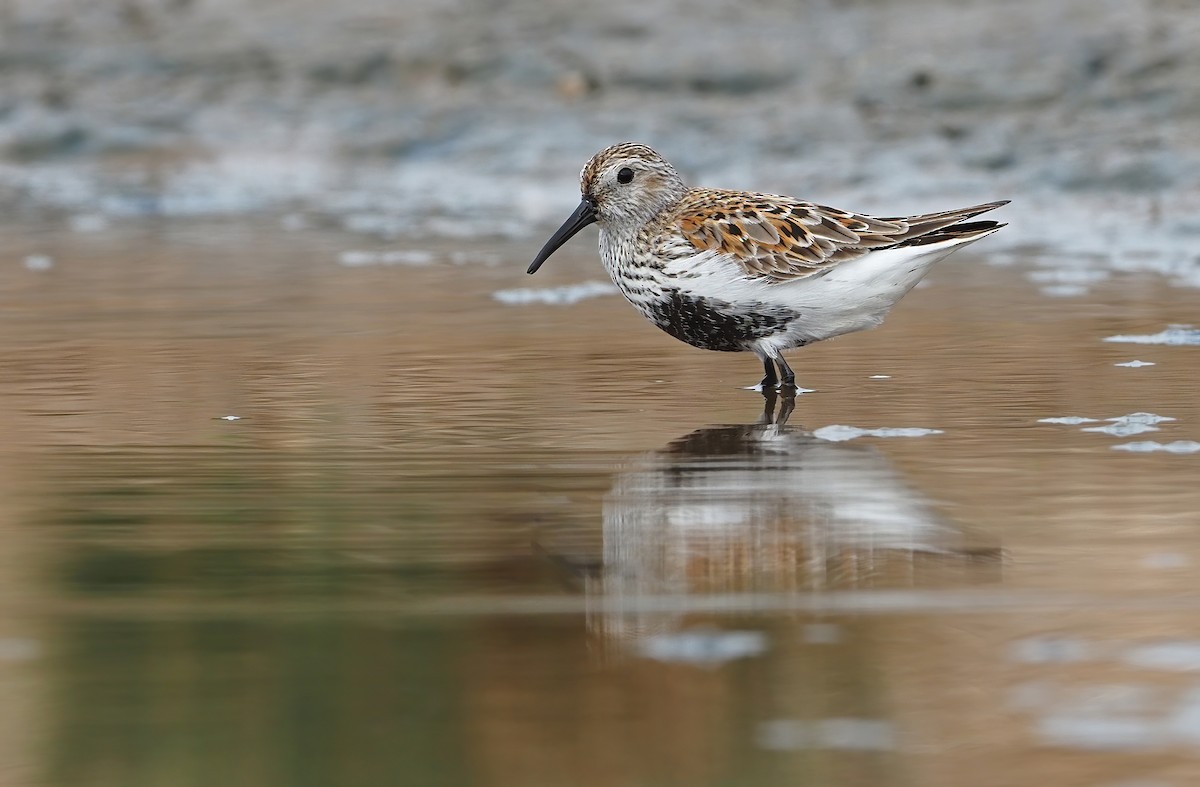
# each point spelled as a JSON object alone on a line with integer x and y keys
{"x": 584, "y": 215}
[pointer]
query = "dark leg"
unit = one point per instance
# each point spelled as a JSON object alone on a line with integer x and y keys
{"x": 771, "y": 397}
{"x": 770, "y": 380}
{"x": 789, "y": 377}
{"x": 769, "y": 400}
{"x": 786, "y": 407}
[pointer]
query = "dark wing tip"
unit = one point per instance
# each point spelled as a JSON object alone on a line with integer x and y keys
{"x": 968, "y": 230}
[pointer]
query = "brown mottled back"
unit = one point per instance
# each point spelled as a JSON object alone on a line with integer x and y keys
{"x": 781, "y": 239}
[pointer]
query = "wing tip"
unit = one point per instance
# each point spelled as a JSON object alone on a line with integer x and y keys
{"x": 965, "y": 232}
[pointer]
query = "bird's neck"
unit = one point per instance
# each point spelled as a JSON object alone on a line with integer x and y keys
{"x": 620, "y": 240}
{"x": 618, "y": 247}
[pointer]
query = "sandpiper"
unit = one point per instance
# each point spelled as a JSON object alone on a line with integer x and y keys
{"x": 739, "y": 271}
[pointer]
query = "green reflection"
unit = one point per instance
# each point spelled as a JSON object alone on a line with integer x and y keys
{"x": 256, "y": 703}
{"x": 153, "y": 686}
{"x": 228, "y": 523}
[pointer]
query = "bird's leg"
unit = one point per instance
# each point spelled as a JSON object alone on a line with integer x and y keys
{"x": 770, "y": 380}
{"x": 789, "y": 377}
{"x": 769, "y": 400}
{"x": 785, "y": 408}
{"x": 771, "y": 397}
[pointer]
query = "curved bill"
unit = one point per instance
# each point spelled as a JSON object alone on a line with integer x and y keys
{"x": 584, "y": 215}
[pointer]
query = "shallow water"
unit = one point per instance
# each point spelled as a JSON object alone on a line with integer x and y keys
{"x": 457, "y": 539}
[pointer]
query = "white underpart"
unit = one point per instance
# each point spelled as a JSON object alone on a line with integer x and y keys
{"x": 852, "y": 296}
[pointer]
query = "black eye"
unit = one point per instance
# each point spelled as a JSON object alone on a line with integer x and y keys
{"x": 625, "y": 175}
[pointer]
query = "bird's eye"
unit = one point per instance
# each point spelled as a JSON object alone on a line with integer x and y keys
{"x": 625, "y": 175}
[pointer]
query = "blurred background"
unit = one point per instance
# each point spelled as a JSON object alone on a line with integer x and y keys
{"x": 474, "y": 118}
{"x": 303, "y": 481}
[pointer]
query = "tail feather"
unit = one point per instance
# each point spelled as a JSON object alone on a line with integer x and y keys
{"x": 931, "y": 223}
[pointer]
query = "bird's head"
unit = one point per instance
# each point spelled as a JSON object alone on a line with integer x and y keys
{"x": 623, "y": 186}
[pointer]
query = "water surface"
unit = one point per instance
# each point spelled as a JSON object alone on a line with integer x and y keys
{"x": 455, "y": 540}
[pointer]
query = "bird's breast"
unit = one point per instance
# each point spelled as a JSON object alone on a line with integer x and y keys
{"x": 715, "y": 324}
{"x": 672, "y": 295}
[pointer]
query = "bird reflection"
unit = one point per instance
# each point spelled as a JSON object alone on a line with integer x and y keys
{"x": 764, "y": 507}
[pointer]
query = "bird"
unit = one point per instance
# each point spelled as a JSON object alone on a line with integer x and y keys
{"x": 738, "y": 271}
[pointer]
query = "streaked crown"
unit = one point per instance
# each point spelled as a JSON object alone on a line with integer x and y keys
{"x": 629, "y": 184}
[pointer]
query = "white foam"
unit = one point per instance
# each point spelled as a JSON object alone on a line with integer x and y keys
{"x": 1135, "y": 364}
{"x": 1099, "y": 733}
{"x": 1172, "y": 656}
{"x": 1149, "y": 446}
{"x": 1067, "y": 276}
{"x": 1174, "y": 335}
{"x": 39, "y": 262}
{"x": 1070, "y": 420}
{"x": 758, "y": 387}
{"x": 475, "y": 257}
{"x": 88, "y": 222}
{"x": 703, "y": 647}
{"x": 1131, "y": 424}
{"x": 837, "y": 433}
{"x": 1140, "y": 418}
{"x": 1122, "y": 429}
{"x": 415, "y": 257}
{"x": 1063, "y": 290}
{"x": 1051, "y": 650}
{"x": 555, "y": 296}
{"x": 1166, "y": 560}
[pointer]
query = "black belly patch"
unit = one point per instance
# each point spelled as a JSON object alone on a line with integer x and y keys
{"x": 712, "y": 324}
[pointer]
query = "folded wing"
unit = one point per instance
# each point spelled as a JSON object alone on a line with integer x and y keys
{"x": 782, "y": 239}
